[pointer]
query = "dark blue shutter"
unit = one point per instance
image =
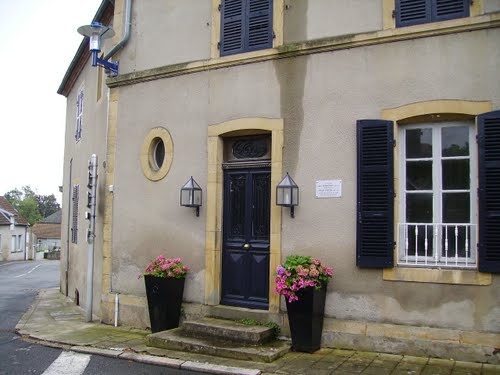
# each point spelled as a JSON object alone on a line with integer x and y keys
{"x": 232, "y": 27}
{"x": 449, "y": 9}
{"x": 375, "y": 198}
{"x": 489, "y": 191}
{"x": 246, "y": 25}
{"x": 412, "y": 12}
{"x": 260, "y": 24}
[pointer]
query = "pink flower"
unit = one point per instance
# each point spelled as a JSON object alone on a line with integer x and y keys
{"x": 300, "y": 272}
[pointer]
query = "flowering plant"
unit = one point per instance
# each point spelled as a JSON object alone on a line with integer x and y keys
{"x": 167, "y": 267}
{"x": 300, "y": 272}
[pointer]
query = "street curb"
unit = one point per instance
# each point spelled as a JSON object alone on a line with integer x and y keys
{"x": 97, "y": 351}
{"x": 188, "y": 365}
{"x": 218, "y": 369}
{"x": 147, "y": 358}
{"x": 152, "y": 360}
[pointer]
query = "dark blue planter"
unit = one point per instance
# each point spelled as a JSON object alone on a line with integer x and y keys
{"x": 305, "y": 318}
{"x": 164, "y": 301}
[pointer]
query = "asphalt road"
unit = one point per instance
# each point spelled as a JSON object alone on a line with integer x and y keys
{"x": 19, "y": 284}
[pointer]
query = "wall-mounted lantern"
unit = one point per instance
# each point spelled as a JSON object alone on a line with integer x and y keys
{"x": 96, "y": 31}
{"x": 191, "y": 195}
{"x": 287, "y": 194}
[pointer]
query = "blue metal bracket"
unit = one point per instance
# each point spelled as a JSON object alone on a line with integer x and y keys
{"x": 110, "y": 66}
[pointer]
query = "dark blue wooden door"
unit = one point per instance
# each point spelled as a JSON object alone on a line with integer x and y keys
{"x": 245, "y": 247}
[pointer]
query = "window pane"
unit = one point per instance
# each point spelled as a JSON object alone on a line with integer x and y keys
{"x": 419, "y": 175}
{"x": 455, "y": 141}
{"x": 419, "y": 208}
{"x": 456, "y": 174}
{"x": 419, "y": 143}
{"x": 456, "y": 207}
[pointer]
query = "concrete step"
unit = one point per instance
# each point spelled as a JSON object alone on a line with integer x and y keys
{"x": 228, "y": 330}
{"x": 178, "y": 339}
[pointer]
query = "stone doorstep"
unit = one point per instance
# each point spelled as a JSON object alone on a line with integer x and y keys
{"x": 228, "y": 330}
{"x": 176, "y": 339}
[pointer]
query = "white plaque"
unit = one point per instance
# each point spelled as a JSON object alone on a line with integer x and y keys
{"x": 329, "y": 189}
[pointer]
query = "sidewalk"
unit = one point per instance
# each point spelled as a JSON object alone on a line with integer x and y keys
{"x": 54, "y": 320}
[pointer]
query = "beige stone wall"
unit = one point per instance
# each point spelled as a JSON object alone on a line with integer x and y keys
{"x": 491, "y": 6}
{"x": 314, "y": 19}
{"x": 318, "y": 90}
{"x": 167, "y": 32}
{"x": 320, "y": 97}
{"x": 93, "y": 141}
{"x": 6, "y": 243}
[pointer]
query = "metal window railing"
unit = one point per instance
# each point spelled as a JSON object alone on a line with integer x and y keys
{"x": 437, "y": 244}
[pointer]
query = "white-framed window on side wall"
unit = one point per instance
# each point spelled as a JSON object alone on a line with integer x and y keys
{"x": 79, "y": 114}
{"x": 437, "y": 195}
{"x": 13, "y": 244}
{"x": 20, "y": 244}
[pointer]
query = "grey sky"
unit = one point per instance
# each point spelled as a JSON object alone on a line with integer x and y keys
{"x": 38, "y": 39}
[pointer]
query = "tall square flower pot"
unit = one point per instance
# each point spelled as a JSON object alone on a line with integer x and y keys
{"x": 305, "y": 318}
{"x": 164, "y": 296}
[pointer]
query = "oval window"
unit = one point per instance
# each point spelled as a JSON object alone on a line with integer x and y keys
{"x": 158, "y": 153}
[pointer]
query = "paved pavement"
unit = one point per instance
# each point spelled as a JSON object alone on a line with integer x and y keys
{"x": 54, "y": 320}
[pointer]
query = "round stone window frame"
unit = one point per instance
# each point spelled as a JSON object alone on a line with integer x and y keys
{"x": 148, "y": 163}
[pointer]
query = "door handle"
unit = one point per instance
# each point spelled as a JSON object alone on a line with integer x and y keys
{"x": 246, "y": 246}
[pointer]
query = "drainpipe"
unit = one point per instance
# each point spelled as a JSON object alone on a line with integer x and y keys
{"x": 126, "y": 34}
{"x": 116, "y": 309}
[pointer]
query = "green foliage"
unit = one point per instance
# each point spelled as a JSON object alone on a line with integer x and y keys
{"x": 29, "y": 209}
{"x": 292, "y": 261}
{"x": 252, "y": 322}
{"x": 32, "y": 206}
{"x": 47, "y": 204}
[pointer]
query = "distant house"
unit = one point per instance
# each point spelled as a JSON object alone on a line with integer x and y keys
{"x": 13, "y": 231}
{"x": 47, "y": 233}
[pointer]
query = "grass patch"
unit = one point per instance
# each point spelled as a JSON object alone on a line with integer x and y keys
{"x": 252, "y": 322}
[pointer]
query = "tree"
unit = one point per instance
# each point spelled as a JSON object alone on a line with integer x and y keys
{"x": 14, "y": 196}
{"x": 47, "y": 204}
{"x": 28, "y": 207}
{"x": 31, "y": 205}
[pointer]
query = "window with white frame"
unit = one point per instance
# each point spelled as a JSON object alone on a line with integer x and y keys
{"x": 79, "y": 115}
{"x": 437, "y": 201}
{"x": 20, "y": 242}
{"x": 13, "y": 244}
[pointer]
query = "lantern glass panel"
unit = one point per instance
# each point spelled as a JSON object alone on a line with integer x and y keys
{"x": 95, "y": 42}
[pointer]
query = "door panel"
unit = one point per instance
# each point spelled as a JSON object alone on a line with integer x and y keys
{"x": 245, "y": 252}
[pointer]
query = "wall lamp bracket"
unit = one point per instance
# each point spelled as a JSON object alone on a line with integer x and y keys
{"x": 96, "y": 32}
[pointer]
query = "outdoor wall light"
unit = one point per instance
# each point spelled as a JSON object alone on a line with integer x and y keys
{"x": 287, "y": 194}
{"x": 191, "y": 195}
{"x": 96, "y": 31}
